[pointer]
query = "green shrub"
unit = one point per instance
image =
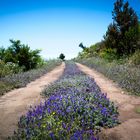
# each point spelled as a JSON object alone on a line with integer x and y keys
{"x": 9, "y": 68}
{"x": 108, "y": 53}
{"x": 135, "y": 58}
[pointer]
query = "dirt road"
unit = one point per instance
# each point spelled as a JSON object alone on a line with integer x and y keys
{"x": 129, "y": 129}
{"x": 15, "y": 103}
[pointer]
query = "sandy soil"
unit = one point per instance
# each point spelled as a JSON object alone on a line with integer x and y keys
{"x": 15, "y": 103}
{"x": 129, "y": 129}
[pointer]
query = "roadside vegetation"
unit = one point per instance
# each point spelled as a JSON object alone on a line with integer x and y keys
{"x": 20, "y": 65}
{"x": 127, "y": 76}
{"x": 21, "y": 79}
{"x": 75, "y": 108}
{"x": 21, "y": 55}
{"x": 118, "y": 54}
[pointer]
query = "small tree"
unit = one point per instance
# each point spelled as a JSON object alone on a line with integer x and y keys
{"x": 82, "y": 46}
{"x": 62, "y": 56}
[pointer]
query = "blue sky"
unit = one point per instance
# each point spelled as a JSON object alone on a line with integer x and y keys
{"x": 56, "y": 26}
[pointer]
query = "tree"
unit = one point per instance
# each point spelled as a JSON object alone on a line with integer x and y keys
{"x": 22, "y": 55}
{"x": 62, "y": 56}
{"x": 139, "y": 37}
{"x": 10, "y": 55}
{"x": 112, "y": 38}
{"x": 123, "y": 33}
{"x": 82, "y": 46}
{"x": 16, "y": 45}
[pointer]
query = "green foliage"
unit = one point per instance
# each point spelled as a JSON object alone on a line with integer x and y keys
{"x": 62, "y": 56}
{"x": 2, "y": 52}
{"x": 9, "y": 68}
{"x": 123, "y": 33}
{"x": 93, "y": 50}
{"x": 21, "y": 54}
{"x": 108, "y": 54}
{"x": 82, "y": 46}
{"x": 135, "y": 58}
{"x": 139, "y": 37}
{"x": 111, "y": 37}
{"x": 28, "y": 58}
{"x": 83, "y": 54}
{"x": 122, "y": 38}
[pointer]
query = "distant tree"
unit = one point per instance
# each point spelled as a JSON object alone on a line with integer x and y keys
{"x": 82, "y": 46}
{"x": 62, "y": 56}
{"x": 123, "y": 33}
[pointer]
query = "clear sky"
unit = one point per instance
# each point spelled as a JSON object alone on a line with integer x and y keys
{"x": 56, "y": 26}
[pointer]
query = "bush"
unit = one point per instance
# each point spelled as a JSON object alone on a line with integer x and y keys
{"x": 108, "y": 53}
{"x": 9, "y": 68}
{"x": 135, "y": 58}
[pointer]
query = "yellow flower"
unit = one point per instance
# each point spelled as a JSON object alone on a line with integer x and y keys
{"x": 44, "y": 126}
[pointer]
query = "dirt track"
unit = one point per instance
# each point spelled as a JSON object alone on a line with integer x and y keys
{"x": 129, "y": 129}
{"x": 15, "y": 103}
